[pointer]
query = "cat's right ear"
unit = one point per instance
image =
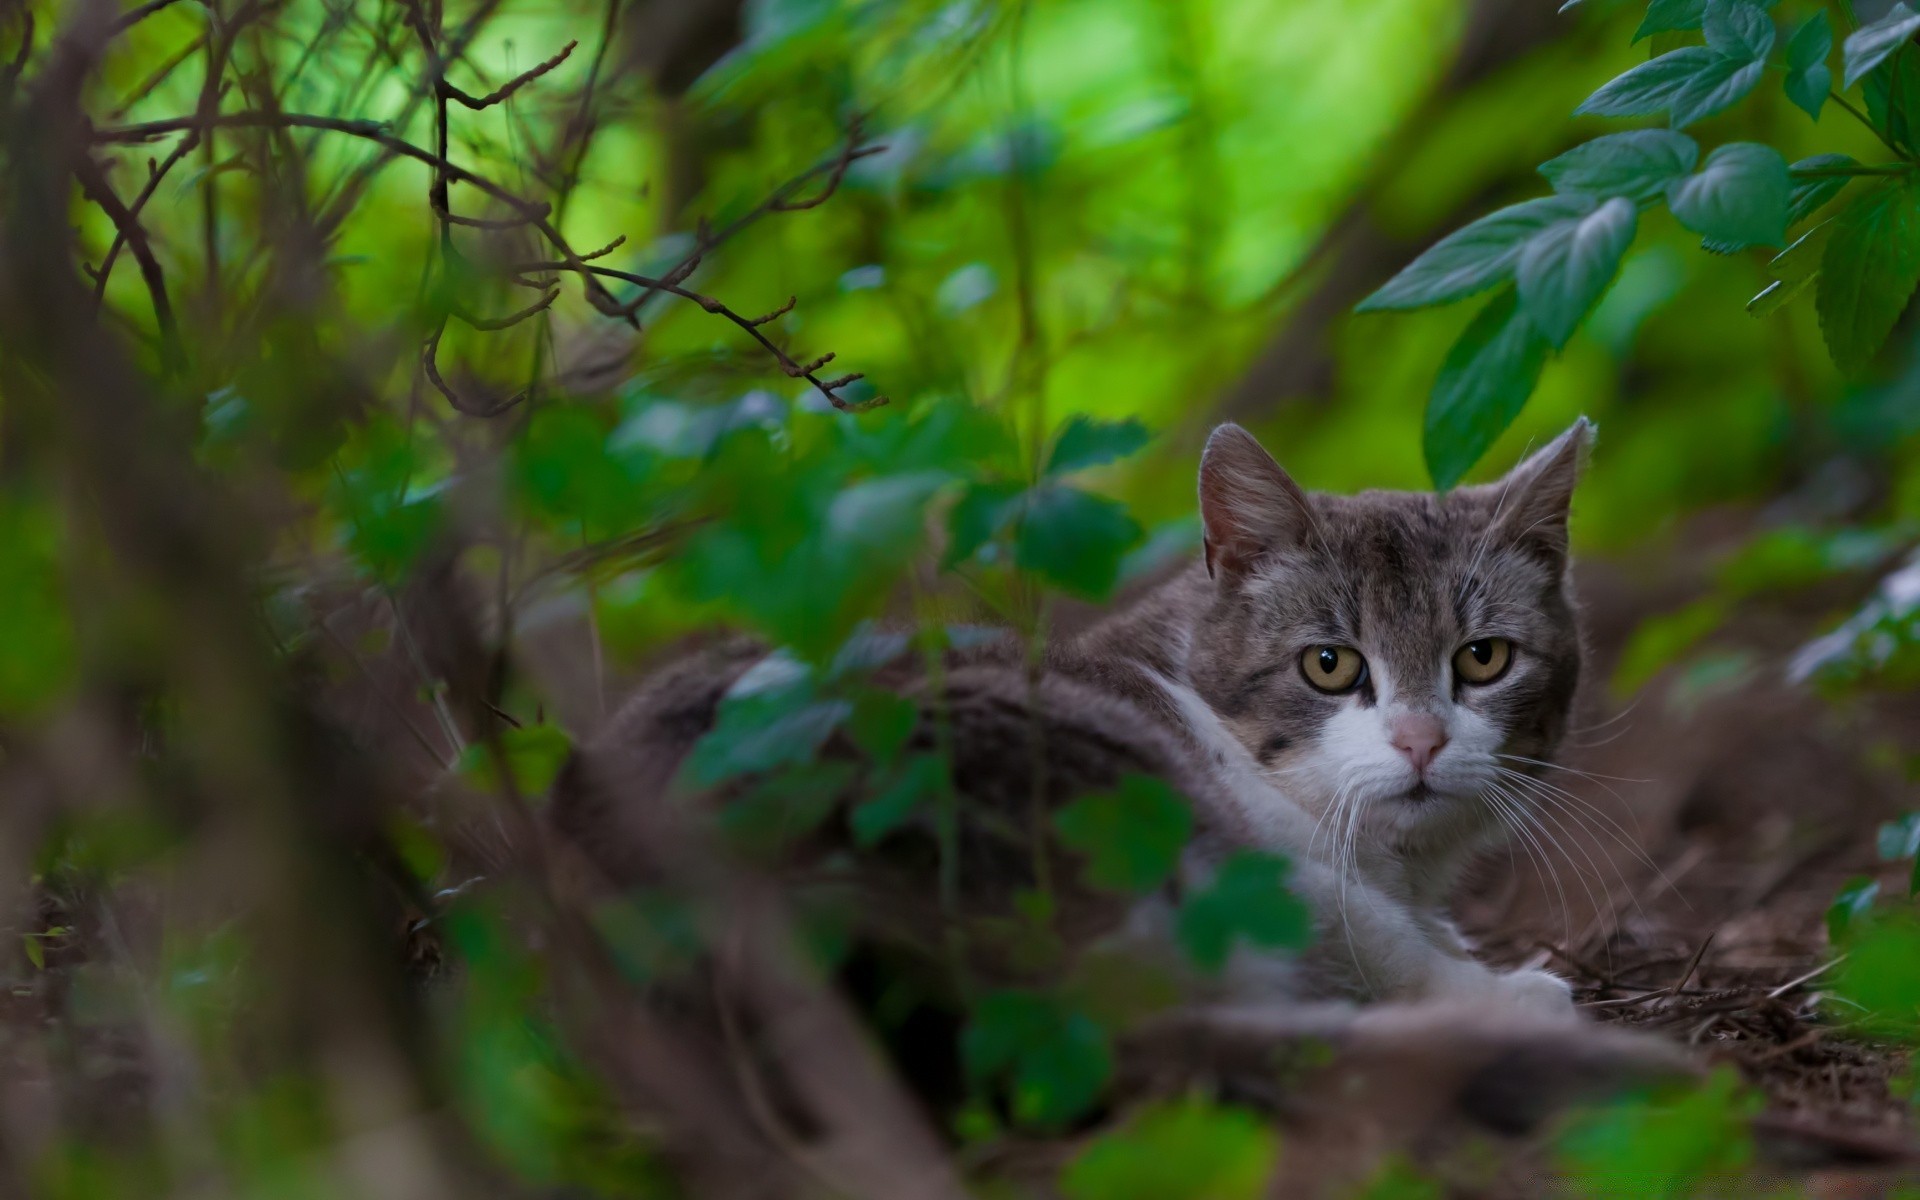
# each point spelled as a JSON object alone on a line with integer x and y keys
{"x": 1248, "y": 505}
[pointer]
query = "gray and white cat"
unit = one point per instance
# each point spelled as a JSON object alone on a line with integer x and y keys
{"x": 1353, "y": 681}
{"x": 1368, "y": 681}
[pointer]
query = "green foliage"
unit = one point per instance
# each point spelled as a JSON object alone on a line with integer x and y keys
{"x": 1869, "y": 270}
{"x": 1482, "y": 387}
{"x": 1879, "y": 976}
{"x": 1743, "y": 195}
{"x": 1848, "y": 909}
{"x": 533, "y": 755}
{"x": 1247, "y": 900}
{"x": 37, "y": 650}
{"x": 1051, "y": 1059}
{"x": 1131, "y": 837}
{"x": 1664, "y": 1146}
{"x": 1177, "y": 1150}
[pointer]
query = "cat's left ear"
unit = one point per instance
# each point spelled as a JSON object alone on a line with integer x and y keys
{"x": 1531, "y": 504}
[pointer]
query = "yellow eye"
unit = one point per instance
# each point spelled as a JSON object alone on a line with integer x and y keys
{"x": 1333, "y": 668}
{"x": 1483, "y": 661}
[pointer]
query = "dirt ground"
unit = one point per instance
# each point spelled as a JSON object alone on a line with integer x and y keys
{"x": 1722, "y": 818}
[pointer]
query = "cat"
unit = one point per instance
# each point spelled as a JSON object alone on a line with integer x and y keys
{"x": 1371, "y": 681}
{"x": 1359, "y": 683}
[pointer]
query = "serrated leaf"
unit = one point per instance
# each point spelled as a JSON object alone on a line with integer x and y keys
{"x": 1247, "y": 901}
{"x": 1638, "y": 164}
{"x": 1892, "y": 94}
{"x": 1090, "y": 442}
{"x": 1713, "y": 89}
{"x": 1738, "y": 29}
{"x": 1481, "y": 387}
{"x": 1810, "y": 193}
{"x": 1801, "y": 261}
{"x": 1664, "y": 16}
{"x": 1649, "y": 87}
{"x": 1869, "y": 271}
{"x": 1809, "y": 79}
{"x": 1131, "y": 837}
{"x": 1739, "y": 196}
{"x": 1473, "y": 258}
{"x": 1870, "y": 45}
{"x": 1563, "y": 271}
{"x": 1074, "y": 539}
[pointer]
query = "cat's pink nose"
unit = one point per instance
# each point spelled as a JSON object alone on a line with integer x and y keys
{"x": 1419, "y": 736}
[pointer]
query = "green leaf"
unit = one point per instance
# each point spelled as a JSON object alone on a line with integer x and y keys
{"x": 1739, "y": 197}
{"x": 1800, "y": 261}
{"x": 1899, "y": 839}
{"x": 1793, "y": 269}
{"x": 1870, "y": 45}
{"x": 1481, "y": 387}
{"x": 36, "y": 954}
{"x": 1649, "y": 87}
{"x": 881, "y": 723}
{"x": 1186, "y": 1149}
{"x": 783, "y": 807}
{"x": 1664, "y": 16}
{"x": 1638, "y": 164}
{"x": 773, "y": 716}
{"x": 1892, "y": 94}
{"x": 1738, "y": 29}
{"x": 979, "y": 516}
{"x": 1089, "y": 442}
{"x": 1132, "y": 837}
{"x": 1715, "y": 88}
{"x": 534, "y": 754}
{"x": 1564, "y": 270}
{"x": 918, "y": 779}
{"x": 1882, "y": 974}
{"x": 1811, "y": 192}
{"x": 1869, "y": 271}
{"x": 1074, "y": 539}
{"x": 1809, "y": 79}
{"x": 1854, "y": 902}
{"x": 1476, "y": 257}
{"x": 1055, "y": 1058}
{"x": 1666, "y": 1146}
{"x": 1247, "y": 900}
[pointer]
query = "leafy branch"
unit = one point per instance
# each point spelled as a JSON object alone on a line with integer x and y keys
{"x": 1550, "y": 260}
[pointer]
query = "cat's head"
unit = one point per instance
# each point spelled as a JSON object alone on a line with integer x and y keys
{"x": 1395, "y": 657}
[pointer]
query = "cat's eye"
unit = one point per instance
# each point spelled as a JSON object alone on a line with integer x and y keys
{"x": 1483, "y": 661}
{"x": 1333, "y": 668}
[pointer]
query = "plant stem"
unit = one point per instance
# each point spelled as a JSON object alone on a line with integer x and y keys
{"x": 1842, "y": 101}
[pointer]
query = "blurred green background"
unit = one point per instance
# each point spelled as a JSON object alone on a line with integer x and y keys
{"x": 1084, "y": 214}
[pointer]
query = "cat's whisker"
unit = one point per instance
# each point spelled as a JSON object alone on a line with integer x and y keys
{"x": 1593, "y": 775}
{"x": 1629, "y": 840}
{"x": 1578, "y": 844}
{"x": 1517, "y": 821}
{"x": 1545, "y": 793}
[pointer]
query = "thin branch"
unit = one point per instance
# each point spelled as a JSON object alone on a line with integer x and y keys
{"x": 154, "y": 175}
{"x": 508, "y": 88}
{"x": 138, "y": 15}
{"x": 93, "y": 183}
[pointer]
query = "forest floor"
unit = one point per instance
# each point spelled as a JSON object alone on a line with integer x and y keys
{"x": 1729, "y": 808}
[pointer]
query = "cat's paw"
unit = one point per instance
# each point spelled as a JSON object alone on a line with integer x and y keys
{"x": 1531, "y": 992}
{"x": 1541, "y": 993}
